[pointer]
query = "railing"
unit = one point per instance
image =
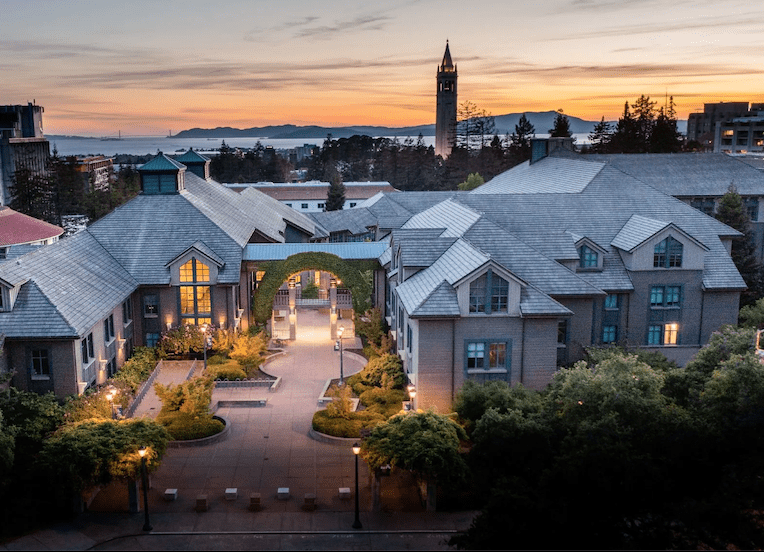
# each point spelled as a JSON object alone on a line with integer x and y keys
{"x": 142, "y": 390}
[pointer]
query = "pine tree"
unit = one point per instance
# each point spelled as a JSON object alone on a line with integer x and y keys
{"x": 732, "y": 211}
{"x": 561, "y": 127}
{"x": 625, "y": 139}
{"x": 664, "y": 137}
{"x": 600, "y": 137}
{"x": 520, "y": 141}
{"x": 335, "y": 198}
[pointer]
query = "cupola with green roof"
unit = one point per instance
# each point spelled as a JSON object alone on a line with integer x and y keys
{"x": 196, "y": 163}
{"x": 162, "y": 175}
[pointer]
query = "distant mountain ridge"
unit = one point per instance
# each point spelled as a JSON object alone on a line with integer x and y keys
{"x": 542, "y": 121}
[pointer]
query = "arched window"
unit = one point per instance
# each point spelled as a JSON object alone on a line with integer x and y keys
{"x": 195, "y": 298}
{"x": 668, "y": 253}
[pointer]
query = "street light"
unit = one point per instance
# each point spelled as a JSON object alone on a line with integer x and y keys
{"x": 412, "y": 393}
{"x": 110, "y": 398}
{"x": 146, "y": 525}
{"x": 204, "y": 338}
{"x": 339, "y": 337}
{"x": 356, "y": 452}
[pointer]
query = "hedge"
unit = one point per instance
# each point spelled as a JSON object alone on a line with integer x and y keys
{"x": 356, "y": 275}
{"x": 184, "y": 427}
{"x": 230, "y": 371}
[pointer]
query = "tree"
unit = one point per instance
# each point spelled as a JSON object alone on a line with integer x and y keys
{"x": 625, "y": 138}
{"x": 520, "y": 141}
{"x": 473, "y": 181}
{"x": 33, "y": 195}
{"x": 561, "y": 128}
{"x": 424, "y": 442}
{"x": 600, "y": 137}
{"x": 335, "y": 198}
{"x": 664, "y": 137}
{"x": 474, "y": 127}
{"x": 732, "y": 211}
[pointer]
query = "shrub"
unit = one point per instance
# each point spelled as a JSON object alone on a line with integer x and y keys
{"x": 137, "y": 369}
{"x": 184, "y": 427}
{"x": 230, "y": 371}
{"x": 346, "y": 427}
{"x": 217, "y": 359}
{"x": 386, "y": 402}
{"x": 191, "y": 397}
{"x": 341, "y": 406}
{"x": 249, "y": 350}
{"x": 310, "y": 291}
{"x": 181, "y": 342}
{"x": 385, "y": 371}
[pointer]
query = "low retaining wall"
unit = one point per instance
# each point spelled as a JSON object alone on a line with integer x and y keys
{"x": 205, "y": 440}
{"x": 347, "y": 442}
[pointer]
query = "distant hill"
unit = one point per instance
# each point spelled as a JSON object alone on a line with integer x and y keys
{"x": 542, "y": 121}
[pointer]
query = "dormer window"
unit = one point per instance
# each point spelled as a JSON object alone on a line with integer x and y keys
{"x": 588, "y": 257}
{"x": 489, "y": 293}
{"x": 668, "y": 253}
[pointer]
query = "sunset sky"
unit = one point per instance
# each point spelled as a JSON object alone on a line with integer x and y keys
{"x": 146, "y": 67}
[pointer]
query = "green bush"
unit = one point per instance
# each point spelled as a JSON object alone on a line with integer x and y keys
{"x": 386, "y": 402}
{"x": 310, "y": 291}
{"x": 184, "y": 427}
{"x": 384, "y": 371}
{"x": 138, "y": 368}
{"x": 230, "y": 371}
{"x": 217, "y": 359}
{"x": 346, "y": 427}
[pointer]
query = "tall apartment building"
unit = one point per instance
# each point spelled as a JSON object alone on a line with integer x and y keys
{"x": 22, "y": 144}
{"x": 701, "y": 127}
{"x": 741, "y": 134}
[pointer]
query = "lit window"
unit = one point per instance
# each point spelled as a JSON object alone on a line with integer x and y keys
{"x": 195, "y": 301}
{"x": 670, "y": 332}
{"x": 487, "y": 360}
{"x": 668, "y": 253}
{"x": 663, "y": 334}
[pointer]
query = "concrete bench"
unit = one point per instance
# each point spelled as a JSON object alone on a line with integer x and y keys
{"x": 254, "y": 502}
{"x": 201, "y": 503}
{"x": 283, "y": 493}
{"x": 310, "y": 502}
{"x": 170, "y": 495}
{"x": 345, "y": 493}
{"x": 231, "y": 493}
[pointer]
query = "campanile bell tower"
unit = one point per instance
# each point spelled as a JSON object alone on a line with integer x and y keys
{"x": 445, "y": 117}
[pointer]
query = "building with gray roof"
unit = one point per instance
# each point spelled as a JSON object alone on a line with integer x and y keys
{"x": 506, "y": 282}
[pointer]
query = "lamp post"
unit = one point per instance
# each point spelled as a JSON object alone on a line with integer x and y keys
{"x": 339, "y": 338}
{"x": 110, "y": 398}
{"x": 204, "y": 339}
{"x": 356, "y": 452}
{"x": 412, "y": 394}
{"x": 146, "y": 525}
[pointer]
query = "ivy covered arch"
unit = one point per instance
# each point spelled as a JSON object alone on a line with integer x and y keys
{"x": 356, "y": 275}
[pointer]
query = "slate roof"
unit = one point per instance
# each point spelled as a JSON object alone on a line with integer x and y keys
{"x": 344, "y": 250}
{"x": 319, "y": 190}
{"x": 551, "y": 175}
{"x": 69, "y": 287}
{"x": 636, "y": 230}
{"x": 456, "y": 219}
{"x": 689, "y": 174}
{"x": 273, "y": 215}
{"x": 192, "y": 156}
{"x": 356, "y": 220}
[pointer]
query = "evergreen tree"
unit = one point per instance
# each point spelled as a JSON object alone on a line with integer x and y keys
{"x": 33, "y": 195}
{"x": 625, "y": 139}
{"x": 644, "y": 121}
{"x": 335, "y": 198}
{"x": 732, "y": 211}
{"x": 520, "y": 141}
{"x": 600, "y": 137}
{"x": 664, "y": 137}
{"x": 561, "y": 127}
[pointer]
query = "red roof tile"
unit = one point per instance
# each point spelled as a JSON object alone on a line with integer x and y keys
{"x": 18, "y": 228}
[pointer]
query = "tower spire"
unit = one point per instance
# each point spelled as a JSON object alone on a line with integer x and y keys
{"x": 445, "y": 117}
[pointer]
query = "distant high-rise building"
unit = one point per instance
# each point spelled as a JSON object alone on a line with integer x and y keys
{"x": 445, "y": 119}
{"x": 22, "y": 145}
{"x": 701, "y": 126}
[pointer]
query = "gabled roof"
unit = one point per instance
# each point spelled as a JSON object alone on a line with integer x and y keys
{"x": 202, "y": 248}
{"x": 460, "y": 260}
{"x": 162, "y": 163}
{"x": 272, "y": 216}
{"x": 551, "y": 175}
{"x": 356, "y": 221}
{"x": 17, "y": 228}
{"x": 456, "y": 219}
{"x": 689, "y": 174}
{"x": 192, "y": 157}
{"x": 640, "y": 229}
{"x": 71, "y": 286}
